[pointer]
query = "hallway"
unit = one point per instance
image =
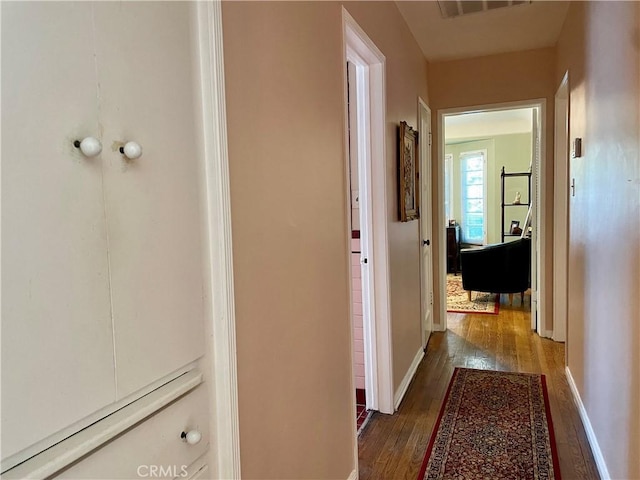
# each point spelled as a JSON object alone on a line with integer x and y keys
{"x": 392, "y": 447}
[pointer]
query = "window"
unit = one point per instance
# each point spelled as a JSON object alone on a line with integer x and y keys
{"x": 473, "y": 196}
{"x": 448, "y": 188}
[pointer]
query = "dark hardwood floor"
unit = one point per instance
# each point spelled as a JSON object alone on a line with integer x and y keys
{"x": 392, "y": 446}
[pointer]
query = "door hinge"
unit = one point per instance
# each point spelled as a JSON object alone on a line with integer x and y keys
{"x": 429, "y": 138}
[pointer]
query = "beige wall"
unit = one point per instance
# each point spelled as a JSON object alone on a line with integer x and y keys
{"x": 499, "y": 78}
{"x": 599, "y": 46}
{"x": 283, "y": 74}
{"x": 285, "y": 106}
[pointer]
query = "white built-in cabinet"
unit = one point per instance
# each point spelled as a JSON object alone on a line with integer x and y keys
{"x": 102, "y": 259}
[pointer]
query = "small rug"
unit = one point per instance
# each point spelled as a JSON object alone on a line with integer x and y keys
{"x": 458, "y": 298}
{"x": 493, "y": 425}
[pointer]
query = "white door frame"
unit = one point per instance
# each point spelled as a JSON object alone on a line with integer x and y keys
{"x": 224, "y": 453}
{"x": 541, "y": 104}
{"x": 536, "y": 198}
{"x": 426, "y": 221}
{"x": 370, "y": 103}
{"x": 561, "y": 211}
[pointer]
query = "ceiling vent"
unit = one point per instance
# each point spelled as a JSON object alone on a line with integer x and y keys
{"x": 455, "y": 8}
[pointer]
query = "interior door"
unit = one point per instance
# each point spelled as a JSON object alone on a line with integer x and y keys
{"x": 57, "y": 339}
{"x": 153, "y": 204}
{"x": 426, "y": 219}
{"x": 535, "y": 235}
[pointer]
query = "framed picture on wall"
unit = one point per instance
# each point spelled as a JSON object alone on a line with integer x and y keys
{"x": 407, "y": 173}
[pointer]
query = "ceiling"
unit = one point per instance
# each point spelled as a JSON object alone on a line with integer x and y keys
{"x": 487, "y": 124}
{"x": 519, "y": 27}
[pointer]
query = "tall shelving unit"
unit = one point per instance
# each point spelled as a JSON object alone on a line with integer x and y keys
{"x": 503, "y": 176}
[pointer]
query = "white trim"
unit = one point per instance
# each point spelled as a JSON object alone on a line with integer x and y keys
{"x": 441, "y": 251}
{"x": 223, "y": 387}
{"x": 540, "y": 233}
{"x": 74, "y": 428}
{"x": 351, "y": 153}
{"x": 361, "y": 153}
{"x": 406, "y": 381}
{"x": 202, "y": 473}
{"x": 535, "y": 208}
{"x": 591, "y": 435}
{"x": 536, "y": 102}
{"x": 353, "y": 475}
{"x": 448, "y": 159}
{"x": 561, "y": 211}
{"x": 198, "y": 469}
{"x": 363, "y": 53}
{"x": 85, "y": 441}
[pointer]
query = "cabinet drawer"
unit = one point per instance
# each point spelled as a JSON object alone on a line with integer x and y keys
{"x": 153, "y": 448}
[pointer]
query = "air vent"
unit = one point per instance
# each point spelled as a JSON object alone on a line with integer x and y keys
{"x": 455, "y": 8}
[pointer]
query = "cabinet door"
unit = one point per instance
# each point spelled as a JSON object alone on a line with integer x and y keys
{"x": 57, "y": 345}
{"x": 147, "y": 72}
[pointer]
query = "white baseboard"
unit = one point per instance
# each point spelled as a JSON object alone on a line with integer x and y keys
{"x": 353, "y": 476}
{"x": 404, "y": 385}
{"x": 591, "y": 435}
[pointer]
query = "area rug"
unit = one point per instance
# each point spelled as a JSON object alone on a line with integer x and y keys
{"x": 458, "y": 298}
{"x": 493, "y": 425}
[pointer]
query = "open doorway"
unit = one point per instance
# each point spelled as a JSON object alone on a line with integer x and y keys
{"x": 490, "y": 165}
{"x": 365, "y": 141}
{"x": 359, "y": 302}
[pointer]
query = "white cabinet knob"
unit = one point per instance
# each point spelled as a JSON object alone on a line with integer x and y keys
{"x": 89, "y": 146}
{"x": 191, "y": 437}
{"x": 131, "y": 150}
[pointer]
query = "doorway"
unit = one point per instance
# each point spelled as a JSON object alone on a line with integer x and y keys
{"x": 465, "y": 134}
{"x": 365, "y": 141}
{"x": 359, "y": 302}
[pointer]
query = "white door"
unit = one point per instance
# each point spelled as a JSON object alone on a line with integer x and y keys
{"x": 147, "y": 91}
{"x": 426, "y": 218}
{"x": 56, "y": 324}
{"x": 535, "y": 235}
{"x": 100, "y": 255}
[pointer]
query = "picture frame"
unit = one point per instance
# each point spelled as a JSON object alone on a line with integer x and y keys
{"x": 408, "y": 192}
{"x": 515, "y": 227}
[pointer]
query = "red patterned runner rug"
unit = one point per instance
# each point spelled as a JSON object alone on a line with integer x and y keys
{"x": 493, "y": 425}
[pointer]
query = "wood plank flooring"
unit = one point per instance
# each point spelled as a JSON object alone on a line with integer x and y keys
{"x": 392, "y": 447}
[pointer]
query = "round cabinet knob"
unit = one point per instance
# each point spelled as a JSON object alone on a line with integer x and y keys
{"x": 90, "y": 146}
{"x": 131, "y": 150}
{"x": 191, "y": 437}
